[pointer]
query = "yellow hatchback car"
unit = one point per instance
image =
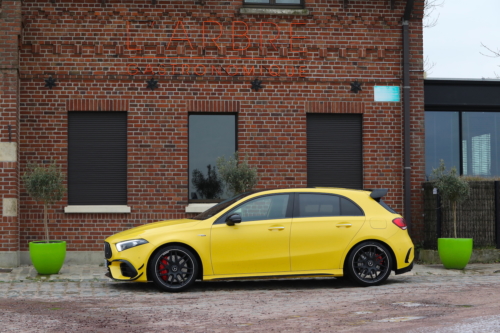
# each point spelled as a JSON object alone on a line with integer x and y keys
{"x": 285, "y": 233}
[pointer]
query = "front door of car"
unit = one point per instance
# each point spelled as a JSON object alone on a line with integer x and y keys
{"x": 322, "y": 228}
{"x": 260, "y": 243}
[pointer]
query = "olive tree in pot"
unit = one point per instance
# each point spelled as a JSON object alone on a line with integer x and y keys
{"x": 453, "y": 252}
{"x": 238, "y": 176}
{"x": 45, "y": 184}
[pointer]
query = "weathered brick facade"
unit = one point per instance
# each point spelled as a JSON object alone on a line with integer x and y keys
{"x": 10, "y": 31}
{"x": 101, "y": 53}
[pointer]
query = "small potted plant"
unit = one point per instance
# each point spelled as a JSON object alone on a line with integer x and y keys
{"x": 238, "y": 176}
{"x": 453, "y": 252}
{"x": 45, "y": 184}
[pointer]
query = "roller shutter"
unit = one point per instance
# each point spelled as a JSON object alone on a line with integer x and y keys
{"x": 334, "y": 150}
{"x": 97, "y": 158}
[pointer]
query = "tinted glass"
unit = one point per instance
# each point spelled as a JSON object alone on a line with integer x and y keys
{"x": 314, "y": 205}
{"x": 210, "y": 136}
{"x": 264, "y": 208}
{"x": 441, "y": 140}
{"x": 349, "y": 208}
{"x": 481, "y": 143}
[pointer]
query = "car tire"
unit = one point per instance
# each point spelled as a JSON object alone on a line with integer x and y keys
{"x": 369, "y": 264}
{"x": 174, "y": 268}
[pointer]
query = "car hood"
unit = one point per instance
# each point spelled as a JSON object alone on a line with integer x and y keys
{"x": 150, "y": 228}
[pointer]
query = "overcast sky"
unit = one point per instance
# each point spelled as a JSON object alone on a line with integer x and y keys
{"x": 454, "y": 44}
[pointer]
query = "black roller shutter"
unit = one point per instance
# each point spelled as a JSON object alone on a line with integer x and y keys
{"x": 334, "y": 150}
{"x": 97, "y": 158}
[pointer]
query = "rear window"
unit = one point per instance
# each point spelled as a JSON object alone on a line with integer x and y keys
{"x": 383, "y": 204}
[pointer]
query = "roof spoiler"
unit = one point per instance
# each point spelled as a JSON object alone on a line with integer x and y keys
{"x": 378, "y": 193}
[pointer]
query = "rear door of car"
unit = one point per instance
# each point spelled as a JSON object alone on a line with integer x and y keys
{"x": 322, "y": 227}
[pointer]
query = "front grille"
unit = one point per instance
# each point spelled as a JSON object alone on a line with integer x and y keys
{"x": 107, "y": 250}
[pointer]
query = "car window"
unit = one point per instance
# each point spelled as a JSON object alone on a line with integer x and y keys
{"x": 349, "y": 208}
{"x": 263, "y": 208}
{"x": 314, "y": 205}
{"x": 317, "y": 205}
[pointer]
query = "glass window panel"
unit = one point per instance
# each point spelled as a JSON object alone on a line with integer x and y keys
{"x": 349, "y": 208}
{"x": 441, "y": 140}
{"x": 480, "y": 143}
{"x": 265, "y": 208}
{"x": 315, "y": 205}
{"x": 291, "y": 2}
{"x": 210, "y": 136}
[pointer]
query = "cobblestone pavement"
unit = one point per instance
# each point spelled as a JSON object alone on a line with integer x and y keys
{"x": 80, "y": 298}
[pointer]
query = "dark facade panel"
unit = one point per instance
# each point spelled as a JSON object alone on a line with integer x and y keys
{"x": 461, "y": 94}
{"x": 334, "y": 150}
{"x": 97, "y": 158}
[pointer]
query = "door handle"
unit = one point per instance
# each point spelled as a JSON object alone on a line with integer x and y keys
{"x": 346, "y": 225}
{"x": 276, "y": 228}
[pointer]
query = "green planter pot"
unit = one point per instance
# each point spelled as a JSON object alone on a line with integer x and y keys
{"x": 48, "y": 258}
{"x": 455, "y": 252}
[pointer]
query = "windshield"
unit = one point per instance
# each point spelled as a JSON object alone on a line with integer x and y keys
{"x": 222, "y": 205}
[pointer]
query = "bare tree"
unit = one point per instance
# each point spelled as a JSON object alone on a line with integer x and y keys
{"x": 491, "y": 53}
{"x": 429, "y": 8}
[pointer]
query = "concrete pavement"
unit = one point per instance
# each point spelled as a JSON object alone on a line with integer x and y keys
{"x": 94, "y": 273}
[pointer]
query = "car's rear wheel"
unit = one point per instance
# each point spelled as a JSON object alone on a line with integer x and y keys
{"x": 174, "y": 268}
{"x": 369, "y": 264}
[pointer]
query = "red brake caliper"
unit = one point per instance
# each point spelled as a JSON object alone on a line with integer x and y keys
{"x": 163, "y": 269}
{"x": 380, "y": 260}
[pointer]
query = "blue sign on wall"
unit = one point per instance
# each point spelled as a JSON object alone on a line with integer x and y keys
{"x": 387, "y": 94}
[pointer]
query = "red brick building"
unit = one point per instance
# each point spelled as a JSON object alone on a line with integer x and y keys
{"x": 130, "y": 97}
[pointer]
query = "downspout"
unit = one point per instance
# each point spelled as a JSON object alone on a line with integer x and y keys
{"x": 406, "y": 113}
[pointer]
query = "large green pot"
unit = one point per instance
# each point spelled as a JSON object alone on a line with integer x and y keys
{"x": 48, "y": 258}
{"x": 455, "y": 252}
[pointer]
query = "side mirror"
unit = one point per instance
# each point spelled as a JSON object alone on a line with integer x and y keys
{"x": 232, "y": 219}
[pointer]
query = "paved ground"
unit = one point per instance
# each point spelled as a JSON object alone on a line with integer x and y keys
{"x": 80, "y": 298}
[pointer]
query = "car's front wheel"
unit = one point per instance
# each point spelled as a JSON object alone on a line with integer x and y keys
{"x": 369, "y": 264}
{"x": 174, "y": 268}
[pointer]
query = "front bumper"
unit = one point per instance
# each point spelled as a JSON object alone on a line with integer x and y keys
{"x": 129, "y": 265}
{"x": 123, "y": 270}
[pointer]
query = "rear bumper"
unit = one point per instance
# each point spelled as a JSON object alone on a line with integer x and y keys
{"x": 404, "y": 270}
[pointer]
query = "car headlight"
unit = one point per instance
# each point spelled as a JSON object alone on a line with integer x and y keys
{"x": 121, "y": 246}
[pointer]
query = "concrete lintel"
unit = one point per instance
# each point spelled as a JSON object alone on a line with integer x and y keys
{"x": 274, "y": 11}
{"x": 8, "y": 152}
{"x": 97, "y": 209}
{"x": 9, "y": 207}
{"x": 199, "y": 207}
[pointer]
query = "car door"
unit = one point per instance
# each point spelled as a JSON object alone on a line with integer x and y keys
{"x": 322, "y": 227}
{"x": 260, "y": 243}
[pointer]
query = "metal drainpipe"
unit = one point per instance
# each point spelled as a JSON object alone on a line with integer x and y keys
{"x": 406, "y": 112}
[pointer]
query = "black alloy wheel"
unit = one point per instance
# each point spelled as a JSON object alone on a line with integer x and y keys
{"x": 369, "y": 264}
{"x": 174, "y": 268}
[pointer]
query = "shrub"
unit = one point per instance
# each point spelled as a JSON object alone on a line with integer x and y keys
{"x": 451, "y": 187}
{"x": 238, "y": 176}
{"x": 45, "y": 184}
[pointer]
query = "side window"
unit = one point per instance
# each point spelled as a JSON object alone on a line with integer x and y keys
{"x": 349, "y": 208}
{"x": 318, "y": 205}
{"x": 315, "y": 205}
{"x": 264, "y": 208}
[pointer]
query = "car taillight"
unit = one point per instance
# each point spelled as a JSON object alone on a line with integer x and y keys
{"x": 400, "y": 222}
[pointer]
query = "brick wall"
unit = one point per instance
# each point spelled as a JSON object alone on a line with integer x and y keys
{"x": 97, "y": 63}
{"x": 10, "y": 30}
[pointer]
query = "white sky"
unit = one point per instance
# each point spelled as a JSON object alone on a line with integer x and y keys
{"x": 454, "y": 44}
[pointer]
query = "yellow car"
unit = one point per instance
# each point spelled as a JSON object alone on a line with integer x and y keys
{"x": 271, "y": 233}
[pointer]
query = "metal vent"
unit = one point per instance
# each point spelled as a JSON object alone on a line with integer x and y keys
{"x": 107, "y": 250}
